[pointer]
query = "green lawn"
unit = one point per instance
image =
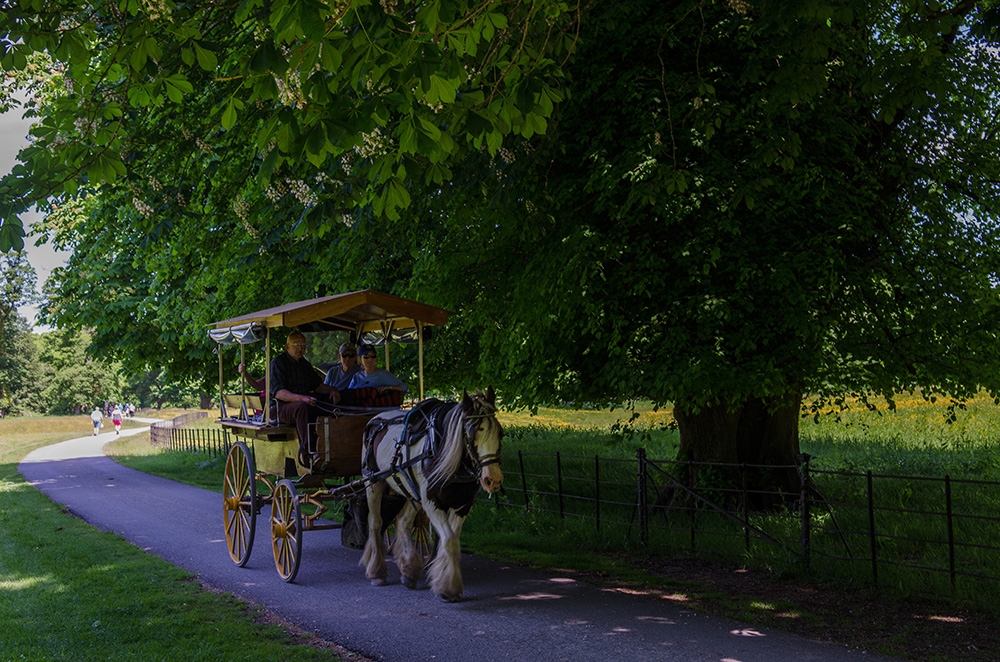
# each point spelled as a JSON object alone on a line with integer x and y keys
{"x": 70, "y": 592}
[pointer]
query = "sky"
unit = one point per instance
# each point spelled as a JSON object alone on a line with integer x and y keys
{"x": 13, "y": 136}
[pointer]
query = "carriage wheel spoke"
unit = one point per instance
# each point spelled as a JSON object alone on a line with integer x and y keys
{"x": 239, "y": 515}
{"x": 286, "y": 530}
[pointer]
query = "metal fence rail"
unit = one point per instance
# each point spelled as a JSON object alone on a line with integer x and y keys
{"x": 870, "y": 527}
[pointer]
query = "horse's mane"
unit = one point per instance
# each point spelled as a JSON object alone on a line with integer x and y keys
{"x": 450, "y": 450}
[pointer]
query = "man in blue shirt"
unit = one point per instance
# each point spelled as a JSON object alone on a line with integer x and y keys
{"x": 340, "y": 376}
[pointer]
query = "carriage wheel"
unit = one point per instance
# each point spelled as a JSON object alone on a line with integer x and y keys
{"x": 286, "y": 530}
{"x": 423, "y": 534}
{"x": 239, "y": 498}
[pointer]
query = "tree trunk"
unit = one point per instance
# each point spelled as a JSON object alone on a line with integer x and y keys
{"x": 759, "y": 433}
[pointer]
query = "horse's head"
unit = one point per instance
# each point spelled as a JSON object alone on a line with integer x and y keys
{"x": 483, "y": 437}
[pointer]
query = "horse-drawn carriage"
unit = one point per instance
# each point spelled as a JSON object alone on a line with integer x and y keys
{"x": 433, "y": 453}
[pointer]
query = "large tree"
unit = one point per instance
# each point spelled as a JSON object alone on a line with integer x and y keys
{"x": 734, "y": 203}
{"x": 17, "y": 288}
{"x": 71, "y": 382}
{"x": 743, "y": 202}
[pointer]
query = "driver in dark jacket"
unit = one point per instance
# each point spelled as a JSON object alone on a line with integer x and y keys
{"x": 296, "y": 385}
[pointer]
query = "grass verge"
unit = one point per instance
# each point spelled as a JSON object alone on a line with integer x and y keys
{"x": 71, "y": 592}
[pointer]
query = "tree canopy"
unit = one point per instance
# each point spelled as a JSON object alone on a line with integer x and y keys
{"x": 720, "y": 204}
{"x": 371, "y": 94}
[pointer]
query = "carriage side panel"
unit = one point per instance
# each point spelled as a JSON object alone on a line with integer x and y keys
{"x": 339, "y": 441}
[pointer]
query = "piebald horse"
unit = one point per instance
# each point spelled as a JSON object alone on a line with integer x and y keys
{"x": 437, "y": 456}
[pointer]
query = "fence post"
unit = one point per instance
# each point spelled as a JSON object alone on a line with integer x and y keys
{"x": 951, "y": 530}
{"x": 640, "y": 456}
{"x": 804, "y": 499}
{"x": 871, "y": 528}
{"x": 693, "y": 484}
{"x": 524, "y": 484}
{"x": 559, "y": 482}
{"x": 597, "y": 490}
{"x": 746, "y": 507}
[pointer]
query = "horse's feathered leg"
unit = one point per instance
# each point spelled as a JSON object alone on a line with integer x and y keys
{"x": 409, "y": 560}
{"x": 455, "y": 521}
{"x": 373, "y": 558}
{"x": 444, "y": 572}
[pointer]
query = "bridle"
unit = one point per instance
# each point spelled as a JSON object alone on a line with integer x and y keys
{"x": 469, "y": 437}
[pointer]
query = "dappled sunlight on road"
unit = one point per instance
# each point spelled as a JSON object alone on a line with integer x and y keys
{"x": 534, "y": 596}
{"x": 542, "y": 595}
{"x": 672, "y": 597}
{"x": 942, "y": 619}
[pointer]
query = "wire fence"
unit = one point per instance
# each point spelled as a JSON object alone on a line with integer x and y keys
{"x": 940, "y": 534}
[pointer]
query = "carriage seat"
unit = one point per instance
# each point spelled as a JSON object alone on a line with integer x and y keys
{"x": 370, "y": 398}
{"x": 240, "y": 407}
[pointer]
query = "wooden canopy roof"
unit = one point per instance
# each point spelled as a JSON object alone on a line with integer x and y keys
{"x": 358, "y": 312}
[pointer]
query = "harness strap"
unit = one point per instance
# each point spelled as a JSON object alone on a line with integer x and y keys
{"x": 427, "y": 417}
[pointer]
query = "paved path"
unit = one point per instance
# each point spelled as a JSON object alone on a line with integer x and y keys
{"x": 508, "y": 613}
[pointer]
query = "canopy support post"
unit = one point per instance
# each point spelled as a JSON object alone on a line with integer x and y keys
{"x": 222, "y": 399}
{"x": 420, "y": 354}
{"x": 267, "y": 379}
{"x": 386, "y": 336}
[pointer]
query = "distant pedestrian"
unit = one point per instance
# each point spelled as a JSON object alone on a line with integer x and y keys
{"x": 116, "y": 418}
{"x": 98, "y": 419}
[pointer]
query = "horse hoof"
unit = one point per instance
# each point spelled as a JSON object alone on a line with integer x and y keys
{"x": 409, "y": 582}
{"x": 451, "y": 598}
{"x": 379, "y": 582}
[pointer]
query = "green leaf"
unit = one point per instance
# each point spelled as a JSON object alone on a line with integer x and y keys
{"x": 430, "y": 16}
{"x": 494, "y": 140}
{"x": 407, "y": 138}
{"x": 207, "y": 60}
{"x": 11, "y": 234}
{"x": 229, "y": 113}
{"x": 441, "y": 89}
{"x": 316, "y": 140}
{"x": 429, "y": 130}
{"x": 330, "y": 57}
{"x": 267, "y": 58}
{"x": 176, "y": 86}
{"x": 139, "y": 96}
{"x": 267, "y": 166}
{"x": 285, "y": 137}
{"x": 173, "y": 93}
